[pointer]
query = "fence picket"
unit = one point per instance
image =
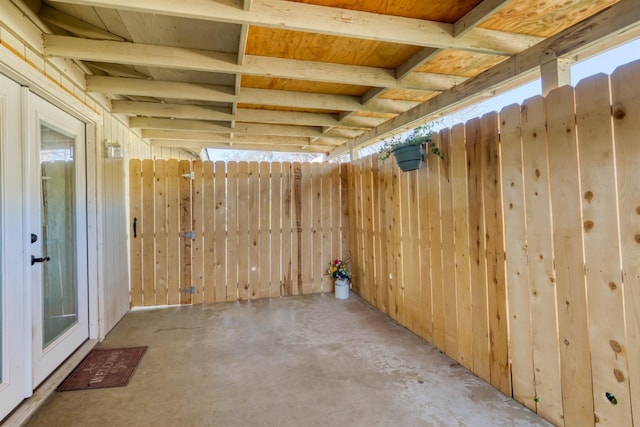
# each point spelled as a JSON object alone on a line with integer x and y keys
{"x": 626, "y": 98}
{"x": 254, "y": 221}
{"x": 186, "y": 242}
{"x": 575, "y": 361}
{"x": 233, "y": 288}
{"x": 481, "y": 361}
{"x": 288, "y": 228}
{"x": 244, "y": 218}
{"x": 435, "y": 239}
{"x": 173, "y": 231}
{"x": 220, "y": 231}
{"x": 601, "y": 247}
{"x": 135, "y": 240}
{"x": 326, "y": 233}
{"x": 496, "y": 290}
{"x": 148, "y": 230}
{"x": 264, "y": 249}
{"x": 160, "y": 220}
{"x": 197, "y": 226}
{"x": 275, "y": 228}
{"x": 546, "y": 351}
{"x": 517, "y": 269}
{"x": 426, "y": 297}
{"x": 448, "y": 247}
{"x": 209, "y": 241}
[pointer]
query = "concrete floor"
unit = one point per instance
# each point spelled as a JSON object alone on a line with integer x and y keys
{"x": 297, "y": 361}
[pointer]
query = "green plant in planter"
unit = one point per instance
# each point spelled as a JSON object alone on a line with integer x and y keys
{"x": 417, "y": 136}
{"x": 407, "y": 148}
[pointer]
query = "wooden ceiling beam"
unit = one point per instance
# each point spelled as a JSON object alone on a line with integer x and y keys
{"x": 214, "y": 93}
{"x": 248, "y": 115}
{"x": 240, "y": 128}
{"x": 178, "y": 124}
{"x": 329, "y": 20}
{"x": 179, "y": 111}
{"x": 234, "y": 145}
{"x": 160, "y": 89}
{"x": 116, "y": 70}
{"x": 220, "y": 62}
{"x": 213, "y": 138}
{"x": 621, "y": 17}
{"x": 284, "y": 117}
{"x": 184, "y": 135}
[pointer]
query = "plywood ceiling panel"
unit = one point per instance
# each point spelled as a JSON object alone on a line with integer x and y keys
{"x": 460, "y": 63}
{"x": 288, "y": 44}
{"x": 539, "y": 18}
{"x": 303, "y": 86}
{"x": 408, "y": 95}
{"x": 277, "y": 108}
{"x": 442, "y": 11}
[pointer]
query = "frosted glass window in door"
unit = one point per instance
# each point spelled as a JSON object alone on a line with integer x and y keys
{"x": 59, "y": 281}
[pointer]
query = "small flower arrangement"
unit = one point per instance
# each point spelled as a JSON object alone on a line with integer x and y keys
{"x": 339, "y": 269}
{"x": 417, "y": 136}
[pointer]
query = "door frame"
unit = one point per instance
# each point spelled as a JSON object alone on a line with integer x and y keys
{"x": 33, "y": 79}
{"x": 93, "y": 219}
{"x": 14, "y": 361}
{"x": 46, "y": 360}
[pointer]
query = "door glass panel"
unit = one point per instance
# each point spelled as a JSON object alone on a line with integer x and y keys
{"x": 59, "y": 278}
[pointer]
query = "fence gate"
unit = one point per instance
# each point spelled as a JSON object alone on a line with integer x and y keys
{"x": 205, "y": 232}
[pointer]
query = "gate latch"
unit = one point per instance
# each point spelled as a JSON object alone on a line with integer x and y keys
{"x": 189, "y": 235}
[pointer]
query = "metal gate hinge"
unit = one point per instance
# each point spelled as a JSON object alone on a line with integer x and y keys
{"x": 190, "y": 175}
{"x": 189, "y": 235}
{"x": 191, "y": 290}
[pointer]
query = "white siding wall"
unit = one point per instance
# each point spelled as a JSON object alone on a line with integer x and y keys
{"x": 62, "y": 83}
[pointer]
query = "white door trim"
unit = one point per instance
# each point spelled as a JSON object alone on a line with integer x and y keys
{"x": 46, "y": 360}
{"x": 13, "y": 284}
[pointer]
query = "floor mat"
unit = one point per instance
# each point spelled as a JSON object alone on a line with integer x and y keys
{"x": 104, "y": 368}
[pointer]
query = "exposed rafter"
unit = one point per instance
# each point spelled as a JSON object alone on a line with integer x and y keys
{"x": 621, "y": 17}
{"x": 222, "y": 94}
{"x": 180, "y": 111}
{"x": 308, "y": 75}
{"x": 406, "y": 74}
{"x": 201, "y": 60}
{"x": 332, "y": 21}
{"x": 237, "y": 145}
{"x": 241, "y": 127}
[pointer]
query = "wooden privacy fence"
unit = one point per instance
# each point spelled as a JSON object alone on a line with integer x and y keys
{"x": 518, "y": 255}
{"x": 204, "y": 232}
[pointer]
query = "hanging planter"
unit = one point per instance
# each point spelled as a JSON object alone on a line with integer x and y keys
{"x": 408, "y": 148}
{"x": 408, "y": 156}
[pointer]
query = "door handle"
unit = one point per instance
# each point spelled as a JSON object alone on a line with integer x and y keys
{"x": 34, "y": 259}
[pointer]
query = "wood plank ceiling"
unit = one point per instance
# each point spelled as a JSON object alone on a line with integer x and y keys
{"x": 300, "y": 76}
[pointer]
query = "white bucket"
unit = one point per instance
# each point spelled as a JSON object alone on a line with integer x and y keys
{"x": 342, "y": 288}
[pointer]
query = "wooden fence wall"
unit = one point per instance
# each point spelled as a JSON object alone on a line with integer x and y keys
{"x": 518, "y": 255}
{"x": 253, "y": 230}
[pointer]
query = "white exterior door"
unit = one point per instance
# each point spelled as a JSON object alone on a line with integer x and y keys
{"x": 14, "y": 366}
{"x": 58, "y": 223}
